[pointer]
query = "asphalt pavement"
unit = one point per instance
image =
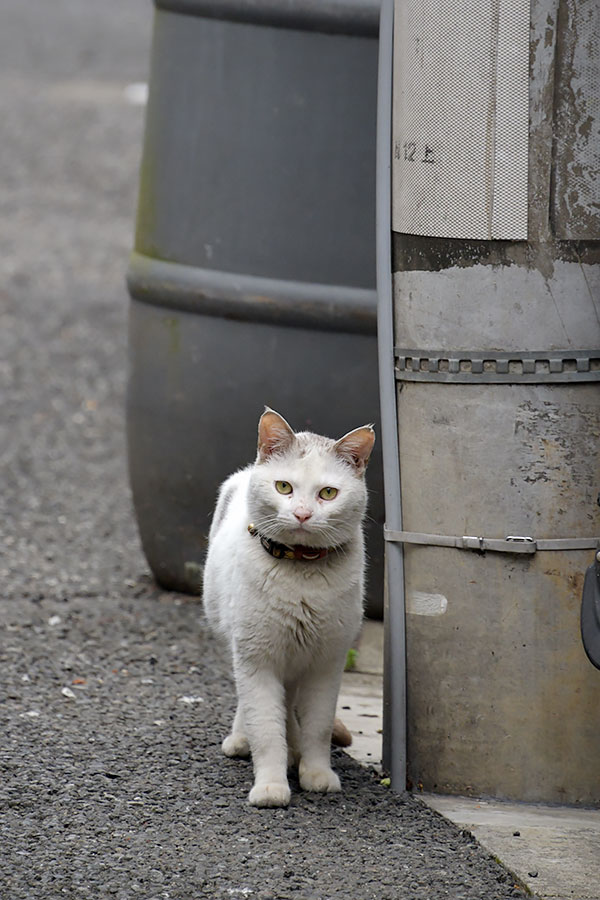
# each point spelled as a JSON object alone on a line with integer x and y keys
{"x": 114, "y": 697}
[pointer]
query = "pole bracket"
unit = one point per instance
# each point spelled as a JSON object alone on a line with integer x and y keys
{"x": 492, "y": 367}
{"x": 520, "y": 544}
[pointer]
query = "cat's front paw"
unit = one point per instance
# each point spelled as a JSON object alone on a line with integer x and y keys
{"x": 272, "y": 793}
{"x": 322, "y": 780}
{"x": 236, "y": 745}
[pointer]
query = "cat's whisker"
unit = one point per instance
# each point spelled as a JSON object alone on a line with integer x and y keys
{"x": 262, "y": 526}
{"x": 369, "y": 518}
{"x": 268, "y": 523}
{"x": 340, "y": 550}
{"x": 272, "y": 527}
{"x": 271, "y": 518}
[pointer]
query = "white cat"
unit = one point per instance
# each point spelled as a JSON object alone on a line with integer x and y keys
{"x": 283, "y": 583}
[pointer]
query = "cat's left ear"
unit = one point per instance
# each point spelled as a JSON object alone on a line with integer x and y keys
{"x": 356, "y": 446}
{"x": 274, "y": 434}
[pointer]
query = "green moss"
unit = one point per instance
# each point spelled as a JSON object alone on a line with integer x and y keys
{"x": 350, "y": 659}
{"x": 174, "y": 337}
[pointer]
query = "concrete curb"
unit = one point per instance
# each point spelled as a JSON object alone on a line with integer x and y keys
{"x": 552, "y": 850}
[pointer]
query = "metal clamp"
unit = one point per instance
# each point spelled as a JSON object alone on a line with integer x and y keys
{"x": 521, "y": 544}
{"x": 491, "y": 367}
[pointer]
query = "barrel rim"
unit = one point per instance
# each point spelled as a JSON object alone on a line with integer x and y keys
{"x": 252, "y": 298}
{"x": 355, "y": 17}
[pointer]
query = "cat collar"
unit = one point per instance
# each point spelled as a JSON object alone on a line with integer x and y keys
{"x": 282, "y": 551}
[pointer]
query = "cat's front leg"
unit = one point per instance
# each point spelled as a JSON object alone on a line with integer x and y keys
{"x": 262, "y": 703}
{"x": 316, "y": 702}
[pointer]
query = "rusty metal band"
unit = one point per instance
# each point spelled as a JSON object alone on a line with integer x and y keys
{"x": 490, "y": 367}
{"x": 520, "y": 544}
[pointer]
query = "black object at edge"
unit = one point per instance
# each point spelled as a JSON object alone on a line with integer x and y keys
{"x": 590, "y": 613}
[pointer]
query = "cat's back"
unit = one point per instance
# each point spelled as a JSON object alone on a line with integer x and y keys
{"x": 231, "y": 504}
{"x": 228, "y": 525}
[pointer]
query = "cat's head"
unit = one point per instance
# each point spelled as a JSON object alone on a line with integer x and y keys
{"x": 308, "y": 489}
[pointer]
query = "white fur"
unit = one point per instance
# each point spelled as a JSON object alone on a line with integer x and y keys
{"x": 289, "y": 623}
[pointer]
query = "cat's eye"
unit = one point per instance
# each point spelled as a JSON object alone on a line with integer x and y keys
{"x": 284, "y": 487}
{"x": 328, "y": 493}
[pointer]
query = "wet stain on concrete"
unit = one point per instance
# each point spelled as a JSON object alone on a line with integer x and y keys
{"x": 412, "y": 252}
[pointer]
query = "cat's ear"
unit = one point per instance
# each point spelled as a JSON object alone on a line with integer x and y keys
{"x": 274, "y": 434}
{"x": 356, "y": 446}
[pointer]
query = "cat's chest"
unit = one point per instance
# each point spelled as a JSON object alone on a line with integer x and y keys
{"x": 294, "y": 630}
{"x": 307, "y": 588}
{"x": 293, "y": 594}
{"x": 302, "y": 623}
{"x": 299, "y": 611}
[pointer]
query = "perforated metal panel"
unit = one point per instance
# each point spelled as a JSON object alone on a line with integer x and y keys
{"x": 460, "y": 144}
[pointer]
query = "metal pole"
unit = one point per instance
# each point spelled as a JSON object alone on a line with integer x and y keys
{"x": 394, "y": 708}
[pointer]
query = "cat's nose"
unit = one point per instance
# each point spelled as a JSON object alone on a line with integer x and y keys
{"x": 302, "y": 513}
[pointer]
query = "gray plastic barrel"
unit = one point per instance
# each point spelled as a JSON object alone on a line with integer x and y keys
{"x": 496, "y": 258}
{"x": 252, "y": 280}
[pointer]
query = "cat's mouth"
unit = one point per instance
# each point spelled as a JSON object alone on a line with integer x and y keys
{"x": 305, "y": 534}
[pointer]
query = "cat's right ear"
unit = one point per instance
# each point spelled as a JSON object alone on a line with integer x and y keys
{"x": 356, "y": 446}
{"x": 274, "y": 435}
